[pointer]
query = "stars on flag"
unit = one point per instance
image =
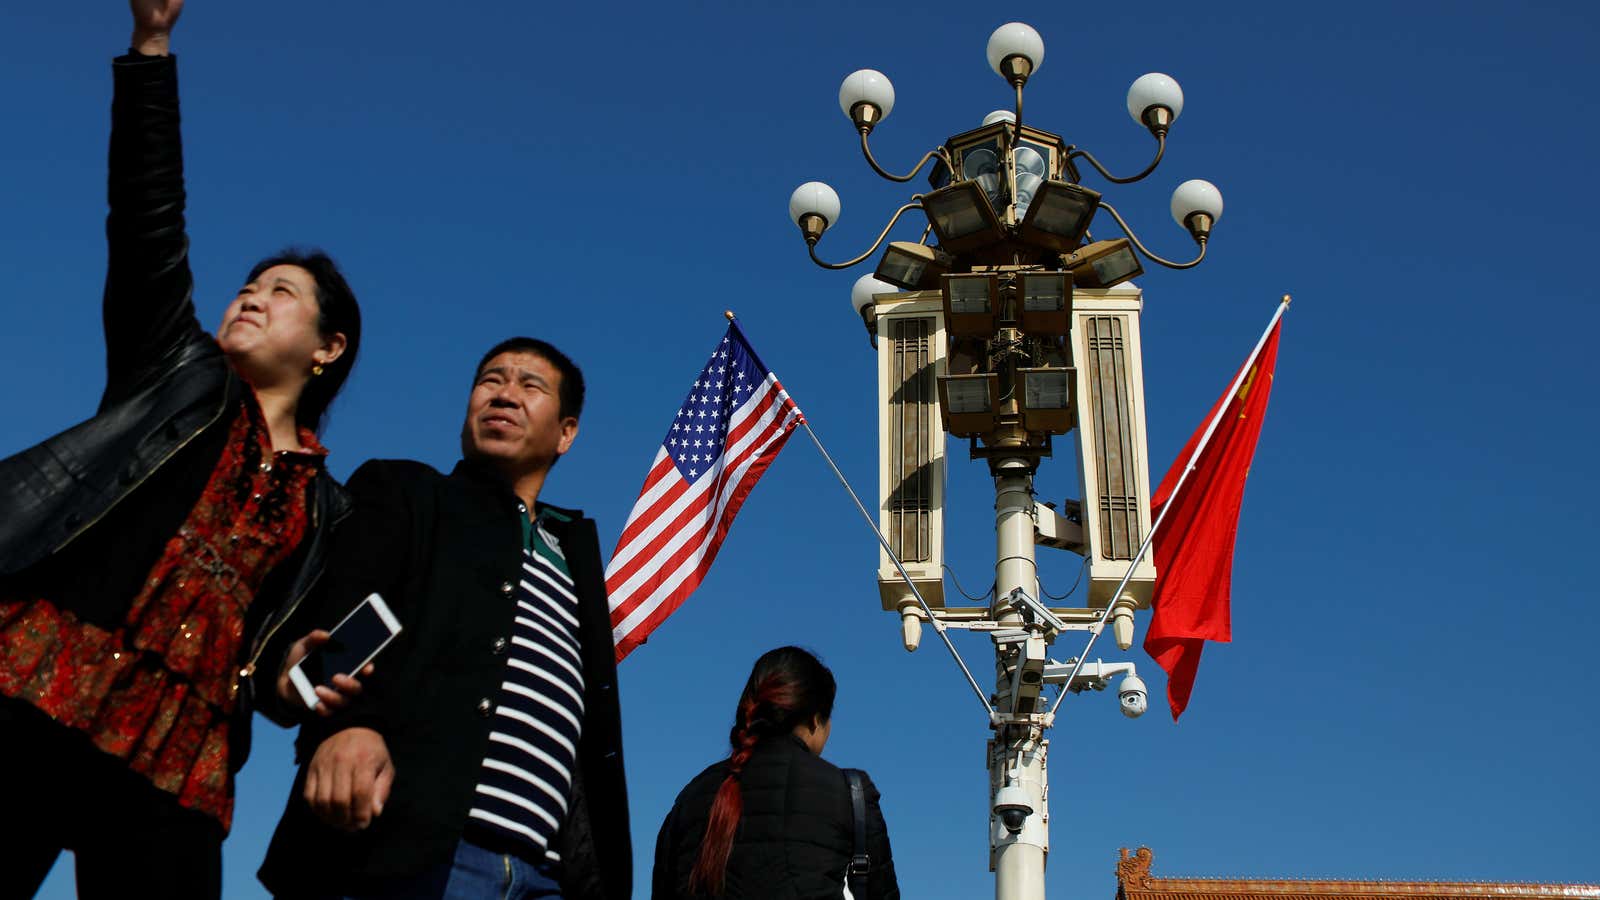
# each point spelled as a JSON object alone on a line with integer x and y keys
{"x": 700, "y": 428}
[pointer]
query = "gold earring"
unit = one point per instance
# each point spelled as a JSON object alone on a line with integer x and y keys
{"x": 316, "y": 369}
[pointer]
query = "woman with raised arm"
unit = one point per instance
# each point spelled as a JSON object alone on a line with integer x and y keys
{"x": 774, "y": 820}
{"x": 147, "y": 554}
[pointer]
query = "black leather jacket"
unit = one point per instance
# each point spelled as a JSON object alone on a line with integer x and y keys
{"x": 167, "y": 381}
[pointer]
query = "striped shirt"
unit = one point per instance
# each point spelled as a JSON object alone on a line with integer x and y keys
{"x": 533, "y": 741}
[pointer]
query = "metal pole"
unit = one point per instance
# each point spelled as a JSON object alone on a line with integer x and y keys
{"x": 1017, "y": 754}
{"x": 1194, "y": 458}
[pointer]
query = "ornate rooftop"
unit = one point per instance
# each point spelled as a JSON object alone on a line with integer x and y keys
{"x": 1134, "y": 882}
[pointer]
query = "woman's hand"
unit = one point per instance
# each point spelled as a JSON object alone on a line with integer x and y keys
{"x": 153, "y": 21}
{"x": 330, "y": 699}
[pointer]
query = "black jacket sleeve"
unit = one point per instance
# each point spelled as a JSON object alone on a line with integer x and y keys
{"x": 148, "y": 303}
{"x": 881, "y": 883}
{"x": 369, "y": 553}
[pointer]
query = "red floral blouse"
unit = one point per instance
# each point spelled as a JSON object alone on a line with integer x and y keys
{"x": 157, "y": 692}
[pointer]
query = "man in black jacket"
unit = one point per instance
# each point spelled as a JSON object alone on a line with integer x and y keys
{"x": 489, "y": 743}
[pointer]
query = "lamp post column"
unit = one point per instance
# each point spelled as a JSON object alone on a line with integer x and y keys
{"x": 1013, "y": 362}
{"x": 1017, "y": 754}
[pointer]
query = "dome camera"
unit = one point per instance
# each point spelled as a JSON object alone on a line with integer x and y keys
{"x": 1133, "y": 697}
{"x": 1011, "y": 804}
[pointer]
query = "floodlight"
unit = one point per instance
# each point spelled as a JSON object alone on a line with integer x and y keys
{"x": 1103, "y": 264}
{"x": 962, "y": 217}
{"x": 1046, "y": 302}
{"x": 1059, "y": 215}
{"x": 1044, "y": 397}
{"x": 914, "y": 267}
{"x": 971, "y": 303}
{"x": 967, "y": 403}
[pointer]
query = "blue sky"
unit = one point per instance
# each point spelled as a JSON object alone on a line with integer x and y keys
{"x": 1408, "y": 694}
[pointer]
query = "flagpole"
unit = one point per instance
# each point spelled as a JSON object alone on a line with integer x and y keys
{"x": 1194, "y": 459}
{"x": 938, "y": 627}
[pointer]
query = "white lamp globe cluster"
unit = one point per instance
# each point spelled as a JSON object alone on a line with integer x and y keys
{"x": 1012, "y": 173}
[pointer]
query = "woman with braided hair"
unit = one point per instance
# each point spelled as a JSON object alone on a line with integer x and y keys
{"x": 774, "y": 820}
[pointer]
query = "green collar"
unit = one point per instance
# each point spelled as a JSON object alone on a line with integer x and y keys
{"x": 534, "y": 540}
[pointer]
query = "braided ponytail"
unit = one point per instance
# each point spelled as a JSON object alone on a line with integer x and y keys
{"x": 787, "y": 687}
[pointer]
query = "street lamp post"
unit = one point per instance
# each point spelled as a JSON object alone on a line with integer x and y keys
{"x": 1014, "y": 328}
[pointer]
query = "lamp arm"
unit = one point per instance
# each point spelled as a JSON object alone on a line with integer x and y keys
{"x": 931, "y": 154}
{"x": 1016, "y": 125}
{"x": 1161, "y": 150}
{"x": 914, "y": 204}
{"x": 1145, "y": 250}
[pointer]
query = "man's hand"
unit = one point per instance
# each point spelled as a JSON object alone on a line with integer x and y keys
{"x": 153, "y": 21}
{"x": 349, "y": 778}
{"x": 330, "y": 700}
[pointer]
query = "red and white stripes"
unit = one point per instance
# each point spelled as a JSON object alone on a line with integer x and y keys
{"x": 678, "y": 524}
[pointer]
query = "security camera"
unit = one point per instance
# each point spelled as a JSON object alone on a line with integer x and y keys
{"x": 1011, "y": 804}
{"x": 1133, "y": 697}
{"x": 1024, "y": 658}
{"x": 1034, "y": 611}
{"x": 1061, "y": 530}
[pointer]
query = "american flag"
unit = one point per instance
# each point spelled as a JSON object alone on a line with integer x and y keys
{"x": 729, "y": 429}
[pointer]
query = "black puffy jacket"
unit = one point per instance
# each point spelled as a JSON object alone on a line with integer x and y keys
{"x": 793, "y": 839}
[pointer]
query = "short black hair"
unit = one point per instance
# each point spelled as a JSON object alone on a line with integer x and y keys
{"x": 337, "y": 312}
{"x": 571, "y": 393}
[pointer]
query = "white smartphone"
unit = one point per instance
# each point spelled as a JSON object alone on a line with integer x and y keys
{"x": 352, "y": 644}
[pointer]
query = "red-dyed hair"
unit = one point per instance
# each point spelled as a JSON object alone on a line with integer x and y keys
{"x": 787, "y": 687}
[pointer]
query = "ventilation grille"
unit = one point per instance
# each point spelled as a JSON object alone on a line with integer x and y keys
{"x": 1110, "y": 414}
{"x": 913, "y": 416}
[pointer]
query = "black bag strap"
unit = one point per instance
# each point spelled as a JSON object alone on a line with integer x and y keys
{"x": 855, "y": 874}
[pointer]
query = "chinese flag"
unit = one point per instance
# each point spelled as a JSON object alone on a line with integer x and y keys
{"x": 1194, "y": 546}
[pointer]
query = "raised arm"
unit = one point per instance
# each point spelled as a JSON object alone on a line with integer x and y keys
{"x": 149, "y": 309}
{"x": 153, "y": 21}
